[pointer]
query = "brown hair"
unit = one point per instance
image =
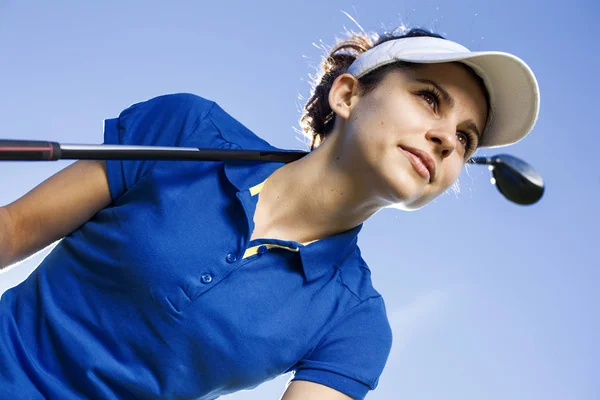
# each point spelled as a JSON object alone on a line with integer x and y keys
{"x": 318, "y": 118}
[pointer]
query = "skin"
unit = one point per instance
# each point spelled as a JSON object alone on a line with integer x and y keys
{"x": 360, "y": 167}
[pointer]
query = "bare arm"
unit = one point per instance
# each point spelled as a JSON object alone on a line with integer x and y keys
{"x": 305, "y": 390}
{"x": 52, "y": 210}
{"x": 5, "y": 228}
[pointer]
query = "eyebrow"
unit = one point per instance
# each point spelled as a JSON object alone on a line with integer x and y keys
{"x": 450, "y": 102}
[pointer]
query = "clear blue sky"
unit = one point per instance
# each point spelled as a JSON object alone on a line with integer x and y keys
{"x": 487, "y": 299}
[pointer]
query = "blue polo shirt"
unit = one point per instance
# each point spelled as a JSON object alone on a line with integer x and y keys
{"x": 162, "y": 295}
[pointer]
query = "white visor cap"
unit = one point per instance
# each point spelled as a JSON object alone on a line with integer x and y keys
{"x": 512, "y": 87}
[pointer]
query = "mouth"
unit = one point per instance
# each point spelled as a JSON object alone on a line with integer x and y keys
{"x": 421, "y": 162}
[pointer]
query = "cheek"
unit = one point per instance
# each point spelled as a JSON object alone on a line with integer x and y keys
{"x": 451, "y": 173}
{"x": 371, "y": 128}
{"x": 412, "y": 119}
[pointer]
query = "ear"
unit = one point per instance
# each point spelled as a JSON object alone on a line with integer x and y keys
{"x": 342, "y": 94}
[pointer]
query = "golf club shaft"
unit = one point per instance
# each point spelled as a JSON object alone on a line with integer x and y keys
{"x": 481, "y": 160}
{"x": 35, "y": 150}
{"x": 27, "y": 150}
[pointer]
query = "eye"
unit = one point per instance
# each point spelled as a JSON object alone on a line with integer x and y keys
{"x": 468, "y": 141}
{"x": 431, "y": 97}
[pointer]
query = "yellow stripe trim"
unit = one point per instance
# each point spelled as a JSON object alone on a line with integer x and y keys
{"x": 254, "y": 190}
{"x": 254, "y": 249}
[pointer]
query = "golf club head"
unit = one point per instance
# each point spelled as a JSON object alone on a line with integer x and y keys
{"x": 517, "y": 180}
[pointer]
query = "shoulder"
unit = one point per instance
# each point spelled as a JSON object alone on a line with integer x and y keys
{"x": 235, "y": 132}
{"x": 201, "y": 116}
{"x": 371, "y": 316}
{"x": 370, "y": 311}
{"x": 178, "y": 102}
{"x": 355, "y": 275}
{"x": 184, "y": 109}
{"x": 370, "y": 308}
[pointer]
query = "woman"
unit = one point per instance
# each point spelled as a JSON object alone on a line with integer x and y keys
{"x": 188, "y": 279}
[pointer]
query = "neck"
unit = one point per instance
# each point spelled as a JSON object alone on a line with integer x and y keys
{"x": 313, "y": 198}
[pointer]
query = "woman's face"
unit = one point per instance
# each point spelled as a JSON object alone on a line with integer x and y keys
{"x": 410, "y": 137}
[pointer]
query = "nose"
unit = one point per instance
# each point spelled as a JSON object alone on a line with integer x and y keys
{"x": 444, "y": 141}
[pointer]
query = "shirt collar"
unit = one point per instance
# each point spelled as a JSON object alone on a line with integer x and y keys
{"x": 322, "y": 255}
{"x": 317, "y": 257}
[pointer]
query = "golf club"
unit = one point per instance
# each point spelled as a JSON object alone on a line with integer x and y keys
{"x": 514, "y": 178}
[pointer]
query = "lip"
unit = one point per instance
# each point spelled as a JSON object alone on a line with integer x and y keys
{"x": 424, "y": 158}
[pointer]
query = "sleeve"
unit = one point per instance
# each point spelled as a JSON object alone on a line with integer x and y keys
{"x": 162, "y": 121}
{"x": 351, "y": 357}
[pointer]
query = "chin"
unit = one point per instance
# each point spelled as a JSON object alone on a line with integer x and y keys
{"x": 404, "y": 191}
{"x": 408, "y": 207}
{"x": 411, "y": 195}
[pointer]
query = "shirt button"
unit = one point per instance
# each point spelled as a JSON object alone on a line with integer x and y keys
{"x": 206, "y": 278}
{"x": 262, "y": 249}
{"x": 231, "y": 258}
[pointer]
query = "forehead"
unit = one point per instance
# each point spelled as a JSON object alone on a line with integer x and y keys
{"x": 454, "y": 74}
